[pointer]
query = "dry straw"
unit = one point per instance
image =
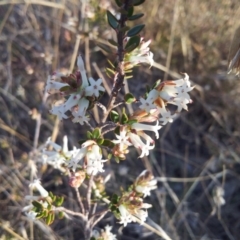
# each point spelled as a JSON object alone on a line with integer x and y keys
{"x": 234, "y": 53}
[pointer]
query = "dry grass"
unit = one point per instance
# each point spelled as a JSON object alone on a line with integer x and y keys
{"x": 195, "y": 155}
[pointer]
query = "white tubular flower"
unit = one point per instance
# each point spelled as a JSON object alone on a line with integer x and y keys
{"x": 82, "y": 70}
{"x": 59, "y": 112}
{"x": 122, "y": 139}
{"x": 166, "y": 116}
{"x": 145, "y": 127}
{"x": 174, "y": 92}
{"x": 53, "y": 86}
{"x": 31, "y": 215}
{"x": 125, "y": 217}
{"x": 77, "y": 158}
{"x": 141, "y": 54}
{"x": 145, "y": 183}
{"x": 80, "y": 114}
{"x": 92, "y": 155}
{"x": 59, "y": 155}
{"x": 94, "y": 160}
{"x": 76, "y": 87}
{"x": 105, "y": 234}
{"x": 147, "y": 104}
{"x": 181, "y": 103}
{"x": 129, "y": 214}
{"x": 37, "y": 184}
{"x": 94, "y": 88}
{"x": 138, "y": 143}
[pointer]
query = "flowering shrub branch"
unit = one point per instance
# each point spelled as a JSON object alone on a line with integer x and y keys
{"x": 86, "y": 162}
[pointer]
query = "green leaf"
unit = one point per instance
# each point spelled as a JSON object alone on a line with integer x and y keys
{"x": 129, "y": 98}
{"x": 132, "y": 43}
{"x": 112, "y": 21}
{"x": 130, "y": 11}
{"x": 112, "y": 42}
{"x": 138, "y": 2}
{"x": 148, "y": 89}
{"x": 37, "y": 205}
{"x": 89, "y": 135}
{"x": 59, "y": 201}
{"x": 110, "y": 71}
{"x": 50, "y": 194}
{"x": 136, "y": 16}
{"x": 40, "y": 215}
{"x": 108, "y": 143}
{"x": 104, "y": 47}
{"x": 119, "y": 3}
{"x": 130, "y": 122}
{"x": 64, "y": 89}
{"x": 117, "y": 130}
{"x": 117, "y": 159}
{"x": 135, "y": 30}
{"x": 48, "y": 219}
{"x": 114, "y": 116}
{"x": 45, "y": 213}
{"x": 100, "y": 141}
{"x": 124, "y": 118}
{"x": 60, "y": 215}
{"x": 96, "y": 133}
{"x": 111, "y": 64}
{"x": 115, "y": 199}
{"x": 109, "y": 156}
{"x": 156, "y": 84}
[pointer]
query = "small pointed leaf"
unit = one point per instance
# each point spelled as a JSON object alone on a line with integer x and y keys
{"x": 129, "y": 98}
{"x": 136, "y": 16}
{"x": 138, "y": 2}
{"x": 114, "y": 116}
{"x": 132, "y": 43}
{"x": 135, "y": 30}
{"x": 89, "y": 135}
{"x": 96, "y": 133}
{"x": 108, "y": 143}
{"x": 124, "y": 118}
{"x": 100, "y": 141}
{"x": 130, "y": 11}
{"x": 112, "y": 42}
{"x": 113, "y": 22}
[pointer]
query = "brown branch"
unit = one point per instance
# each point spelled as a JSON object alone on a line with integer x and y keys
{"x": 119, "y": 78}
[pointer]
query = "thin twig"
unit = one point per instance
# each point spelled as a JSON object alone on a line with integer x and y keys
{"x": 89, "y": 192}
{"x": 80, "y": 201}
{"x": 38, "y": 2}
{"x": 63, "y": 209}
{"x": 100, "y": 217}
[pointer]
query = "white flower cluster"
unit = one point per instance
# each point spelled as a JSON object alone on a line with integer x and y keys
{"x": 168, "y": 92}
{"x": 135, "y": 135}
{"x": 141, "y": 54}
{"x": 104, "y": 235}
{"x": 79, "y": 88}
{"x": 58, "y": 156}
{"x": 90, "y": 153}
{"x": 131, "y": 205}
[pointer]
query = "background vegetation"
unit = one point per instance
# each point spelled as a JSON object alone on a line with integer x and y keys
{"x": 196, "y": 155}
